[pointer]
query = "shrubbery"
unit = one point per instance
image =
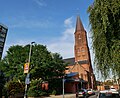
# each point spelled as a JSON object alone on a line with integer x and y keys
{"x": 35, "y": 89}
{"x": 14, "y": 87}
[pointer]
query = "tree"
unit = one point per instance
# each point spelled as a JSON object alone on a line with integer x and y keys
{"x": 12, "y": 63}
{"x": 104, "y": 16}
{"x": 44, "y": 65}
{"x": 2, "y": 82}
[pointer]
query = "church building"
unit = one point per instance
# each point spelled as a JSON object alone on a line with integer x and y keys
{"x": 79, "y": 72}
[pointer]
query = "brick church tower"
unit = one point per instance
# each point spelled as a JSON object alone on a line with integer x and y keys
{"x": 82, "y": 53}
{"x": 81, "y": 49}
{"x": 80, "y": 66}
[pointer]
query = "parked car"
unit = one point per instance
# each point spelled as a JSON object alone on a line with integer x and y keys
{"x": 113, "y": 89}
{"x": 90, "y": 92}
{"x": 108, "y": 94}
{"x": 82, "y": 93}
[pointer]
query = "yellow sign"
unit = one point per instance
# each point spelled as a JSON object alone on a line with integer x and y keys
{"x": 26, "y": 67}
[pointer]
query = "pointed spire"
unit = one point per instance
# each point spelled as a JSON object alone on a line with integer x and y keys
{"x": 79, "y": 25}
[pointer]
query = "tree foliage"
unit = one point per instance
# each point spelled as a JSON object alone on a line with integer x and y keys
{"x": 44, "y": 65}
{"x": 14, "y": 87}
{"x": 104, "y": 16}
{"x": 2, "y": 82}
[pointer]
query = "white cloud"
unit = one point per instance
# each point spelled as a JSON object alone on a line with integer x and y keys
{"x": 68, "y": 22}
{"x": 40, "y": 3}
{"x": 65, "y": 49}
{"x": 68, "y": 34}
{"x": 69, "y": 30}
{"x": 65, "y": 44}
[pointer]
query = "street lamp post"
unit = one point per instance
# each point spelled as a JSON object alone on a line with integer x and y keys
{"x": 92, "y": 80}
{"x": 63, "y": 86}
{"x": 27, "y": 77}
{"x": 30, "y": 51}
{"x": 63, "y": 80}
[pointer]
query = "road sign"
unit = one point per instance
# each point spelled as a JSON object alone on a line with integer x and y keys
{"x": 26, "y": 67}
{"x": 28, "y": 75}
{"x": 27, "y": 80}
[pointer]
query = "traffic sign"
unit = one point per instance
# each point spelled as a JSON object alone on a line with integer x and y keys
{"x": 26, "y": 67}
{"x": 27, "y": 80}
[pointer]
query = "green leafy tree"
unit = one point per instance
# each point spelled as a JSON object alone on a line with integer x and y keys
{"x": 2, "y": 82}
{"x": 12, "y": 64}
{"x": 44, "y": 65}
{"x": 104, "y": 16}
{"x": 14, "y": 87}
{"x": 35, "y": 89}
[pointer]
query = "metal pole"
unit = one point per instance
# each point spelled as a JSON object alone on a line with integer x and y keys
{"x": 92, "y": 80}
{"x": 25, "y": 95}
{"x": 63, "y": 87}
{"x": 81, "y": 84}
{"x": 30, "y": 53}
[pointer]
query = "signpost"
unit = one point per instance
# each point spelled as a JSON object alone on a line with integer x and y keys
{"x": 27, "y": 80}
{"x": 26, "y": 67}
{"x": 63, "y": 86}
{"x": 26, "y": 70}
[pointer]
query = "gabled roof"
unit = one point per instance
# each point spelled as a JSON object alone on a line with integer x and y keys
{"x": 70, "y": 61}
{"x": 83, "y": 62}
{"x": 72, "y": 74}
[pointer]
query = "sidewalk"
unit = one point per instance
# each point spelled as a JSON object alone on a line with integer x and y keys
{"x": 65, "y": 96}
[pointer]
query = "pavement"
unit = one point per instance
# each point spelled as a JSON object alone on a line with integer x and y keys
{"x": 61, "y": 96}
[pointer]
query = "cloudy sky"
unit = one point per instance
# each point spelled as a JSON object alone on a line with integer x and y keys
{"x": 47, "y": 22}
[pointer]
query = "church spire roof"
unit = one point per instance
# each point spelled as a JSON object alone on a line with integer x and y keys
{"x": 79, "y": 25}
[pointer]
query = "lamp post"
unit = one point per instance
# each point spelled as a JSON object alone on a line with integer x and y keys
{"x": 63, "y": 80}
{"x": 92, "y": 80}
{"x": 63, "y": 86}
{"x": 27, "y": 77}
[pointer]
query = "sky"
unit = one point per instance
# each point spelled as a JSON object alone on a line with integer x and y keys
{"x": 47, "y": 22}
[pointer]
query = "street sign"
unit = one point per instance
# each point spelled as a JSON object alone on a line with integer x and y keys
{"x": 26, "y": 67}
{"x": 64, "y": 80}
{"x": 28, "y": 75}
{"x": 27, "y": 80}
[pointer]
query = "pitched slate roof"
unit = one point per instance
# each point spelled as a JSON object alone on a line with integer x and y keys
{"x": 70, "y": 61}
{"x": 72, "y": 74}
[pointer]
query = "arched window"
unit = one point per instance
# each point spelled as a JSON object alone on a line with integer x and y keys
{"x": 78, "y": 50}
{"x": 82, "y": 49}
{"x": 79, "y": 37}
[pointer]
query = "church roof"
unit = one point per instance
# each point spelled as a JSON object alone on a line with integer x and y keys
{"x": 79, "y": 25}
{"x": 72, "y": 74}
{"x": 70, "y": 61}
{"x": 83, "y": 62}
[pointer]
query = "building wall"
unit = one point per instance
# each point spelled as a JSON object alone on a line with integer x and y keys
{"x": 3, "y": 33}
{"x": 70, "y": 87}
{"x": 103, "y": 87}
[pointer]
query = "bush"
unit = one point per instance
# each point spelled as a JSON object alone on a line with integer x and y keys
{"x": 32, "y": 92}
{"x": 35, "y": 89}
{"x": 55, "y": 84}
{"x": 54, "y": 92}
{"x": 14, "y": 87}
{"x": 4, "y": 92}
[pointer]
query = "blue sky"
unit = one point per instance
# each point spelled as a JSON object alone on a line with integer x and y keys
{"x": 47, "y": 22}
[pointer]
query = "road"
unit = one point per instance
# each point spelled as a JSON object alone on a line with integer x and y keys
{"x": 93, "y": 96}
